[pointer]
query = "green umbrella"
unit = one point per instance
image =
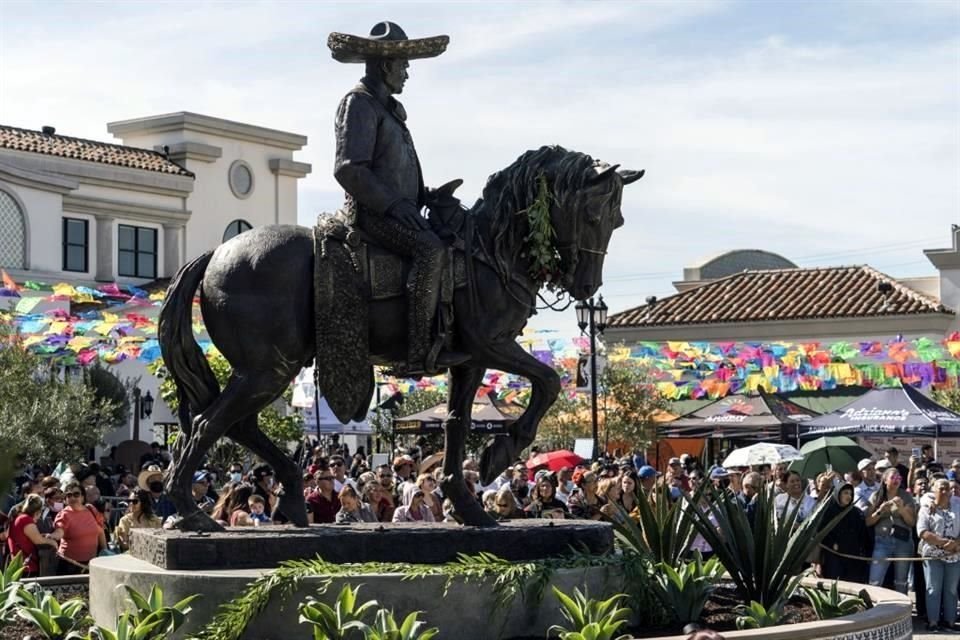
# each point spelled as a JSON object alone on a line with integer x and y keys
{"x": 839, "y": 451}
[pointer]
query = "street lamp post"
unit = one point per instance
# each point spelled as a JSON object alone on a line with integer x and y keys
{"x": 592, "y": 318}
{"x": 142, "y": 409}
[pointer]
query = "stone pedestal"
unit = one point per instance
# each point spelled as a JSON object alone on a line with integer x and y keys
{"x": 435, "y": 543}
{"x": 465, "y": 610}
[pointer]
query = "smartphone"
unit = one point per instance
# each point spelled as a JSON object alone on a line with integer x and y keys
{"x": 829, "y": 468}
{"x": 915, "y": 452}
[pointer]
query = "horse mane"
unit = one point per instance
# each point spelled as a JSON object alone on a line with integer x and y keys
{"x": 511, "y": 191}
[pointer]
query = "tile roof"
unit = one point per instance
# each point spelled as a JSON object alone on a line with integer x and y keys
{"x": 782, "y": 294}
{"x": 92, "y": 150}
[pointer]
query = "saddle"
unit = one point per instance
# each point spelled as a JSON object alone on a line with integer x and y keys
{"x": 351, "y": 270}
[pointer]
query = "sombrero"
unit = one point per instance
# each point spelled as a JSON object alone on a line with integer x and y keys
{"x": 386, "y": 40}
{"x": 143, "y": 480}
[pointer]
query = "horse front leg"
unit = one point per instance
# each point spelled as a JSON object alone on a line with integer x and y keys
{"x": 464, "y": 382}
{"x": 545, "y": 387}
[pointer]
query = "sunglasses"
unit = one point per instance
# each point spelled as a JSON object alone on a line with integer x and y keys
{"x": 503, "y": 504}
{"x": 336, "y": 464}
{"x": 325, "y": 478}
{"x": 73, "y": 494}
{"x": 135, "y": 501}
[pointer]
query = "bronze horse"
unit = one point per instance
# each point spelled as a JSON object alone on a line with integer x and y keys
{"x": 256, "y": 297}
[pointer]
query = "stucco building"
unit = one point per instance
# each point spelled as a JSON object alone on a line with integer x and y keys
{"x": 86, "y": 212}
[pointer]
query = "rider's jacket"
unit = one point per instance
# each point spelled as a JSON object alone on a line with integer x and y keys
{"x": 371, "y": 133}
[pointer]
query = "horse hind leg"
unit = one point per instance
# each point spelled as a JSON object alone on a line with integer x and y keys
{"x": 243, "y": 396}
{"x": 247, "y": 433}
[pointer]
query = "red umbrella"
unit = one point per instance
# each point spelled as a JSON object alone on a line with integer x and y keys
{"x": 554, "y": 460}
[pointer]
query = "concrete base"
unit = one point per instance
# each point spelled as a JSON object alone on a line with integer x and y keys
{"x": 465, "y": 611}
{"x": 434, "y": 543}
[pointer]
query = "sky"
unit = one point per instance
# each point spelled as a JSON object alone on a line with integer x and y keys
{"x": 828, "y": 132}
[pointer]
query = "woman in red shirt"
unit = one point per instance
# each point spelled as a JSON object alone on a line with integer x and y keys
{"x": 25, "y": 537}
{"x": 80, "y": 534}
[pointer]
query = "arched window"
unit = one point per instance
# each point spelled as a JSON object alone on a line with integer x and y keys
{"x": 235, "y": 228}
{"x": 13, "y": 239}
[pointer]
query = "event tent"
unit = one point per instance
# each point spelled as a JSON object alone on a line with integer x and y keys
{"x": 318, "y": 417}
{"x": 754, "y": 418}
{"x": 895, "y": 411}
{"x": 488, "y": 416}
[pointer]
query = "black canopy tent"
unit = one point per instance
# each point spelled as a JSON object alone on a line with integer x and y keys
{"x": 488, "y": 416}
{"x": 752, "y": 418}
{"x": 890, "y": 412}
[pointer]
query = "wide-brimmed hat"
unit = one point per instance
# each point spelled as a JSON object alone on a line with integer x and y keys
{"x": 143, "y": 480}
{"x": 386, "y": 40}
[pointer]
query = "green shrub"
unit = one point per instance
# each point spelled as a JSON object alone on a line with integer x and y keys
{"x": 685, "y": 591}
{"x": 150, "y": 609}
{"x": 830, "y": 603}
{"x": 665, "y": 531}
{"x": 385, "y": 628}
{"x": 55, "y": 621}
{"x": 335, "y": 623}
{"x": 10, "y": 587}
{"x": 756, "y": 616}
{"x": 766, "y": 561}
{"x": 590, "y": 619}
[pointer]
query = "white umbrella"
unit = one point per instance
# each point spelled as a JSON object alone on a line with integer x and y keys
{"x": 762, "y": 453}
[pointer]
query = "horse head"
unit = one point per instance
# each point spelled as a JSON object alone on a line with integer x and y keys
{"x": 584, "y": 218}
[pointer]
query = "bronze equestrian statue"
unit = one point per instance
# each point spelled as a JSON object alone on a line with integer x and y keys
{"x": 380, "y": 284}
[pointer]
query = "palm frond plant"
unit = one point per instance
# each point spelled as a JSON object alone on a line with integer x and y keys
{"x": 765, "y": 561}
{"x": 385, "y": 627}
{"x": 685, "y": 589}
{"x": 590, "y": 619}
{"x": 665, "y": 529}
{"x": 338, "y": 621}
{"x": 830, "y": 603}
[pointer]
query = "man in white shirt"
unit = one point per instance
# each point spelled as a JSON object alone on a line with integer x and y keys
{"x": 869, "y": 486}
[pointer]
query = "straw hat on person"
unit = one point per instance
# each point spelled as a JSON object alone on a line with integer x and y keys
{"x": 147, "y": 475}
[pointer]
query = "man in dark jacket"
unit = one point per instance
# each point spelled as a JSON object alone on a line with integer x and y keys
{"x": 378, "y": 167}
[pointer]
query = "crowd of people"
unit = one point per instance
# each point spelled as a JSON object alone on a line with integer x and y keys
{"x": 60, "y": 518}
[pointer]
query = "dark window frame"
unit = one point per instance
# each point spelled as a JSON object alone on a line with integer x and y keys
{"x": 66, "y": 244}
{"x": 137, "y": 251}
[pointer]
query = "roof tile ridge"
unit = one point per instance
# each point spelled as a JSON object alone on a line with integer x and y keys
{"x": 125, "y": 147}
{"x": 934, "y": 304}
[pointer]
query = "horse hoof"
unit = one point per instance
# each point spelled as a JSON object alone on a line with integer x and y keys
{"x": 199, "y": 521}
{"x": 496, "y": 456}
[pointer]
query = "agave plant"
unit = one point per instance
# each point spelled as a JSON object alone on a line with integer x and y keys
{"x": 385, "y": 627}
{"x": 590, "y": 619}
{"x": 756, "y": 616}
{"x": 665, "y": 530}
{"x": 10, "y": 587}
{"x": 55, "y": 620}
{"x": 685, "y": 590}
{"x": 150, "y": 609}
{"x": 126, "y": 630}
{"x": 765, "y": 561}
{"x": 830, "y": 603}
{"x": 335, "y": 623}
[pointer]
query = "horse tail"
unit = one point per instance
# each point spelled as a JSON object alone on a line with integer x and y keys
{"x": 197, "y": 387}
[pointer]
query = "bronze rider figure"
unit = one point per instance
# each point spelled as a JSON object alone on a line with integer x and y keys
{"x": 378, "y": 167}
